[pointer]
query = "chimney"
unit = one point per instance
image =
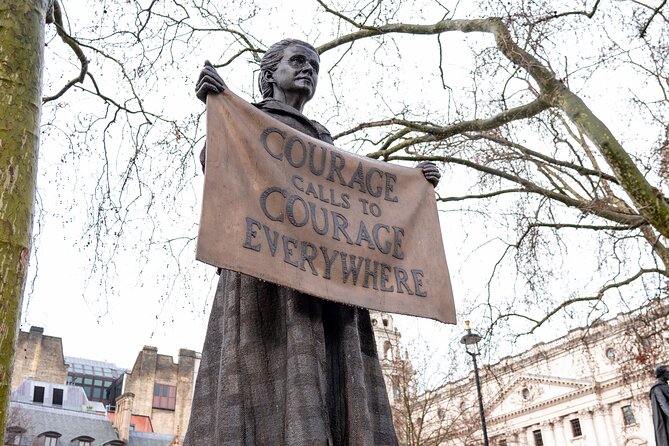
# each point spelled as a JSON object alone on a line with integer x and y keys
{"x": 123, "y": 414}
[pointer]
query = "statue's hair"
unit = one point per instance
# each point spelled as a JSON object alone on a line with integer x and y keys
{"x": 660, "y": 371}
{"x": 270, "y": 61}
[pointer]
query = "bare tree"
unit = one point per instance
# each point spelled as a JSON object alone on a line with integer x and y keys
{"x": 497, "y": 96}
{"x": 541, "y": 162}
{"x": 426, "y": 415}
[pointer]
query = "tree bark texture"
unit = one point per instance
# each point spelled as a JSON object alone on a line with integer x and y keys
{"x": 21, "y": 59}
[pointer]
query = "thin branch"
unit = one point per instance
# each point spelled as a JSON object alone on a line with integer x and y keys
{"x": 591, "y": 207}
{"x": 580, "y": 226}
{"x": 598, "y": 296}
{"x": 578, "y": 168}
{"x": 656, "y": 11}
{"x": 488, "y": 195}
{"x": 60, "y": 30}
{"x": 440, "y": 133}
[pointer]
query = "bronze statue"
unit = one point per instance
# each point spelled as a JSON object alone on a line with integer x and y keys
{"x": 659, "y": 397}
{"x": 280, "y": 367}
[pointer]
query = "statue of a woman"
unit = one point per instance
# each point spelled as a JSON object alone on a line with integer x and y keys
{"x": 280, "y": 367}
{"x": 659, "y": 397}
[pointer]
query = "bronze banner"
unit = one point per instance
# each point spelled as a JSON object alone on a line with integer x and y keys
{"x": 293, "y": 210}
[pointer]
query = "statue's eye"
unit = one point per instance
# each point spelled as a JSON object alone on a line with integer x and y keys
{"x": 299, "y": 60}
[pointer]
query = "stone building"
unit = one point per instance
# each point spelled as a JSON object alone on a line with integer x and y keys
{"x": 588, "y": 388}
{"x": 156, "y": 395}
{"x": 38, "y": 357}
{"x": 149, "y": 401}
{"x": 387, "y": 338}
{"x": 46, "y": 414}
{"x": 95, "y": 377}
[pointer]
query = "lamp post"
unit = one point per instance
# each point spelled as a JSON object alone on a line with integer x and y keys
{"x": 471, "y": 340}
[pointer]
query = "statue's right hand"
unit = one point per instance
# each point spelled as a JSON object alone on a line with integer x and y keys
{"x": 208, "y": 82}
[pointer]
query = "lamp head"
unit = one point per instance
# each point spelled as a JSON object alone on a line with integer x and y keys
{"x": 470, "y": 340}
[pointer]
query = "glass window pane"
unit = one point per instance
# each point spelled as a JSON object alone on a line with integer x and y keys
{"x": 97, "y": 393}
{"x": 38, "y": 394}
{"x": 88, "y": 381}
{"x": 97, "y": 382}
{"x": 156, "y": 389}
{"x": 165, "y": 391}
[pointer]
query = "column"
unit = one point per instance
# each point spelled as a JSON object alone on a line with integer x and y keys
{"x": 547, "y": 433}
{"x": 610, "y": 425}
{"x": 558, "y": 425}
{"x": 529, "y": 436}
{"x": 566, "y": 429}
{"x": 517, "y": 438}
{"x": 602, "y": 430}
{"x": 588, "y": 427}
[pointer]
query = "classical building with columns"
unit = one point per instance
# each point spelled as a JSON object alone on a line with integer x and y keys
{"x": 588, "y": 388}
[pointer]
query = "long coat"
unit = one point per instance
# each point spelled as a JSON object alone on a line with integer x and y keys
{"x": 659, "y": 397}
{"x": 282, "y": 368}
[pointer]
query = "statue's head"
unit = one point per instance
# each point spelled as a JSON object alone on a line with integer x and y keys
{"x": 270, "y": 62}
{"x": 662, "y": 371}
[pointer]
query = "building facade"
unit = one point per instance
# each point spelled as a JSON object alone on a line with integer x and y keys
{"x": 38, "y": 357}
{"x": 148, "y": 405}
{"x": 589, "y": 388}
{"x": 156, "y": 395}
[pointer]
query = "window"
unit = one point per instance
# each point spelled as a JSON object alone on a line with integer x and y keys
{"x": 628, "y": 415}
{"x": 57, "y": 398}
{"x": 396, "y": 393}
{"x": 575, "y": 427}
{"x": 164, "y": 396}
{"x": 83, "y": 441}
{"x": 38, "y": 395}
{"x": 610, "y": 353}
{"x": 502, "y": 442}
{"x": 538, "y": 439}
{"x": 50, "y": 438}
{"x": 14, "y": 435}
{"x": 526, "y": 393}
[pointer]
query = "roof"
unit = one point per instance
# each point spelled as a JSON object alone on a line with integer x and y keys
{"x": 92, "y": 367}
{"x": 70, "y": 424}
{"x": 150, "y": 439}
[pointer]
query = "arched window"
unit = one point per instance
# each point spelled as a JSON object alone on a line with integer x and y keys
{"x": 49, "y": 438}
{"x": 14, "y": 435}
{"x": 83, "y": 440}
{"x": 387, "y": 351}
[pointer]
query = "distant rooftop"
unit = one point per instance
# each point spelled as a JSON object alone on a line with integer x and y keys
{"x": 92, "y": 367}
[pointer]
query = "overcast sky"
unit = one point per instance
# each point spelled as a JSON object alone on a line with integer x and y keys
{"x": 143, "y": 301}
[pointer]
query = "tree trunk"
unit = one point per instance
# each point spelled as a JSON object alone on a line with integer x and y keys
{"x": 21, "y": 59}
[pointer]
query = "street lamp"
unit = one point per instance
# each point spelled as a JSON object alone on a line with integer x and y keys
{"x": 471, "y": 341}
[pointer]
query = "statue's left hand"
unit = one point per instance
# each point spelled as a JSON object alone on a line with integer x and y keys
{"x": 430, "y": 172}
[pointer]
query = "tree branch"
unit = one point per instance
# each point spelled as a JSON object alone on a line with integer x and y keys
{"x": 58, "y": 22}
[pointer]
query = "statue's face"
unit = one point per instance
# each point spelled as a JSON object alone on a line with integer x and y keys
{"x": 297, "y": 72}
